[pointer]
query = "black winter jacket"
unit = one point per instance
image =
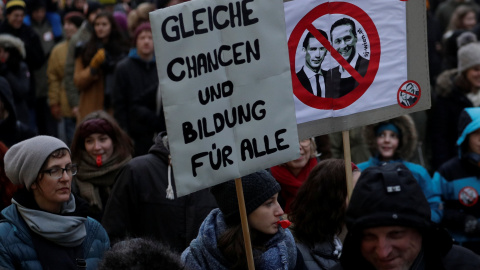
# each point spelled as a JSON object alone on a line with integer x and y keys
{"x": 11, "y": 130}
{"x": 33, "y": 47}
{"x": 138, "y": 206}
{"x": 444, "y": 121}
{"x": 133, "y": 78}
{"x": 34, "y": 52}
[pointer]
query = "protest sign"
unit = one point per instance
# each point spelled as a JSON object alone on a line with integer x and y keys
{"x": 226, "y": 89}
{"x": 356, "y": 50}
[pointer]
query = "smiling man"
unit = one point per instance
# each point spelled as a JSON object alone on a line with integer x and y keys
{"x": 344, "y": 41}
{"x": 311, "y": 76}
{"x": 389, "y": 227}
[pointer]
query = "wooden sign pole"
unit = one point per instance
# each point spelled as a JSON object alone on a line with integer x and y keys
{"x": 243, "y": 217}
{"x": 348, "y": 162}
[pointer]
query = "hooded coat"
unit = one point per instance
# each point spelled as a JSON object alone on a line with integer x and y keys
{"x": 390, "y": 196}
{"x": 449, "y": 102}
{"x": 19, "y": 80}
{"x": 35, "y": 56}
{"x": 406, "y": 146}
{"x": 138, "y": 206}
{"x": 11, "y": 130}
{"x": 459, "y": 183}
{"x": 33, "y": 47}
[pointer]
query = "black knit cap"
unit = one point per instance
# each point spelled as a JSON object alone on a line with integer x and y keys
{"x": 387, "y": 195}
{"x": 33, "y": 5}
{"x": 258, "y": 187}
{"x": 92, "y": 7}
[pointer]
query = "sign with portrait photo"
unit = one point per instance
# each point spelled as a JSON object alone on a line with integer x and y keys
{"x": 226, "y": 89}
{"x": 350, "y": 65}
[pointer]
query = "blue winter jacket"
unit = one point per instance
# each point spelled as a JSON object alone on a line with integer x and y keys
{"x": 17, "y": 250}
{"x": 431, "y": 191}
{"x": 459, "y": 182}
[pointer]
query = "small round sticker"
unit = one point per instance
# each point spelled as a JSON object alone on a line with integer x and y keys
{"x": 468, "y": 196}
{"x": 408, "y": 94}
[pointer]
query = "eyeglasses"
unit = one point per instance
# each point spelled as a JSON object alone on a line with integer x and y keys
{"x": 57, "y": 172}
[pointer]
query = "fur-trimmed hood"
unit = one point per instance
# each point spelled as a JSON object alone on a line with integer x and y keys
{"x": 444, "y": 83}
{"x": 408, "y": 141}
{"x": 9, "y": 41}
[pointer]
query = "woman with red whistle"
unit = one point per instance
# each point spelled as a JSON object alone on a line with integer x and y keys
{"x": 100, "y": 148}
{"x": 219, "y": 244}
{"x": 318, "y": 213}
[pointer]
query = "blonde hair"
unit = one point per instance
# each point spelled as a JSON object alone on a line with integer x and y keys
{"x": 139, "y": 16}
{"x": 313, "y": 149}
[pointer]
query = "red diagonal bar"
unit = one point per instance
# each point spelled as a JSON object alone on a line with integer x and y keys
{"x": 408, "y": 93}
{"x": 335, "y": 54}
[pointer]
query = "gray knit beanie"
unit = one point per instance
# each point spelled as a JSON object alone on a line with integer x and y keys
{"x": 257, "y": 187}
{"x": 465, "y": 38}
{"x": 468, "y": 56}
{"x": 24, "y": 160}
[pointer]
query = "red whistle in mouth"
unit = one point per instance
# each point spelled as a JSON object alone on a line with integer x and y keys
{"x": 99, "y": 160}
{"x": 284, "y": 223}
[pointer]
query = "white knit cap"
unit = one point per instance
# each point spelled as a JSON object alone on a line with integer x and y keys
{"x": 468, "y": 56}
{"x": 24, "y": 160}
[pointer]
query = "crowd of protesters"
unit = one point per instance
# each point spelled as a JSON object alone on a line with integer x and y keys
{"x": 86, "y": 180}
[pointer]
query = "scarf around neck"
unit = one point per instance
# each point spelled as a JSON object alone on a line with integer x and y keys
{"x": 290, "y": 183}
{"x": 88, "y": 171}
{"x": 280, "y": 250}
{"x": 67, "y": 231}
{"x": 90, "y": 177}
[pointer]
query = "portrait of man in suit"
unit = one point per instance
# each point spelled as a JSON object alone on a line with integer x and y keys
{"x": 344, "y": 40}
{"x": 311, "y": 76}
{"x": 406, "y": 99}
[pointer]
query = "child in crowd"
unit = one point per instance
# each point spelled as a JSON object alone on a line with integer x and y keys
{"x": 394, "y": 140}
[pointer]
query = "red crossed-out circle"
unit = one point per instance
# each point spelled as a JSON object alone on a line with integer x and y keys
{"x": 363, "y": 83}
{"x": 417, "y": 97}
{"x": 468, "y": 196}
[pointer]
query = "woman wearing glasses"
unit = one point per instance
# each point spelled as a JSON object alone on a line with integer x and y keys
{"x": 46, "y": 227}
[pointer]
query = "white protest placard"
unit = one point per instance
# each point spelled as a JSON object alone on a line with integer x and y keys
{"x": 350, "y": 65}
{"x": 226, "y": 89}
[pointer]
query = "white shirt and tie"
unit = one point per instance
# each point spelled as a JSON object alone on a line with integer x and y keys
{"x": 317, "y": 81}
{"x": 343, "y": 72}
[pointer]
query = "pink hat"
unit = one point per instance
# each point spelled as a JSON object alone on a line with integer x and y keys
{"x": 142, "y": 27}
